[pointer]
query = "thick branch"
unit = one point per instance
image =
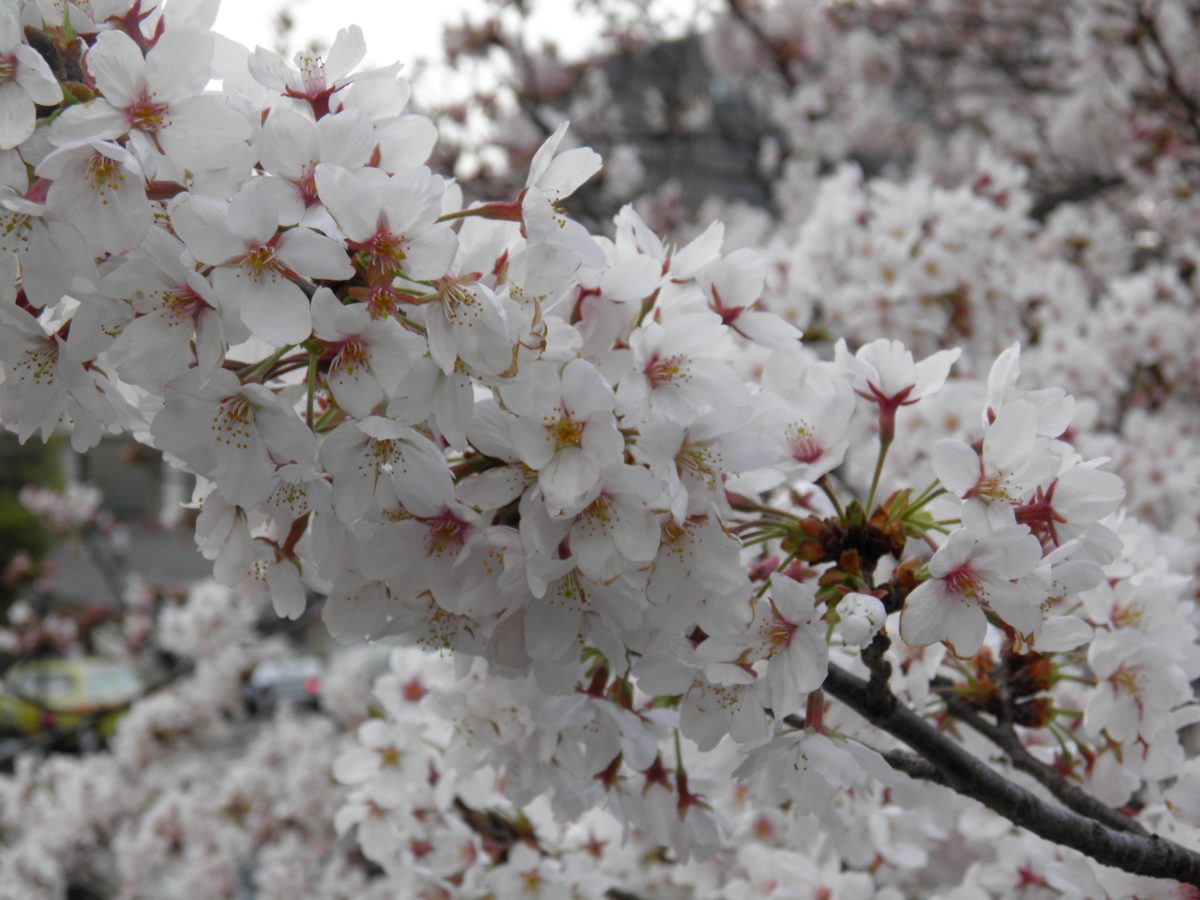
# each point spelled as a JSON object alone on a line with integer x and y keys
{"x": 1190, "y": 108}
{"x": 959, "y": 770}
{"x": 1070, "y": 794}
{"x": 1077, "y": 191}
{"x": 768, "y": 44}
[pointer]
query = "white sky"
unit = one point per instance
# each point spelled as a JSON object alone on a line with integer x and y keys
{"x": 396, "y": 30}
{"x": 408, "y": 30}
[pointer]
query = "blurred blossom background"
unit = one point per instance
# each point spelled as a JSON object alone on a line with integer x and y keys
{"x": 957, "y": 173}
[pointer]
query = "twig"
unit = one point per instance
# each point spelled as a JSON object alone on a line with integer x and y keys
{"x": 957, "y": 769}
{"x": 739, "y": 12}
{"x": 1007, "y": 740}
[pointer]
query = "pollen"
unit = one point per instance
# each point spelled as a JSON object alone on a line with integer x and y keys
{"x": 181, "y": 304}
{"x": 387, "y": 254}
{"x": 308, "y": 183}
{"x": 145, "y": 115}
{"x": 701, "y": 464}
{"x": 104, "y": 176}
{"x": 352, "y": 356}
{"x": 446, "y": 536}
{"x": 666, "y": 370}
{"x": 964, "y": 582}
{"x": 1131, "y": 681}
{"x": 804, "y": 445}
{"x": 39, "y": 363}
{"x": 564, "y": 431}
{"x": 260, "y": 261}
{"x": 15, "y": 230}
{"x": 231, "y": 424}
{"x": 312, "y": 72}
{"x": 779, "y": 633}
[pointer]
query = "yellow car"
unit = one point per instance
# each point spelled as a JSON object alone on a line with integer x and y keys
{"x": 65, "y": 694}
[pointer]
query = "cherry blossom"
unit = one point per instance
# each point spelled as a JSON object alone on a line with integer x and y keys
{"x": 158, "y": 97}
{"x": 25, "y": 80}
{"x": 974, "y": 569}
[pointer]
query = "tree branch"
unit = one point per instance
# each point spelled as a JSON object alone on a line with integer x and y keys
{"x": 1152, "y": 855}
{"x": 1071, "y": 795}
{"x": 778, "y": 58}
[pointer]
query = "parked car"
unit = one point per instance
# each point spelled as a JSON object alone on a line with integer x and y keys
{"x": 65, "y": 693}
{"x": 294, "y": 679}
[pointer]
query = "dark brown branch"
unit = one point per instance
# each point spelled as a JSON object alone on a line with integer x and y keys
{"x": 1075, "y": 191}
{"x": 959, "y": 770}
{"x": 1071, "y": 795}
{"x": 1189, "y": 106}
{"x": 913, "y": 766}
{"x": 778, "y": 57}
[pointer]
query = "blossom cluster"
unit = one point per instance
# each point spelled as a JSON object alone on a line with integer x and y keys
{"x": 641, "y": 516}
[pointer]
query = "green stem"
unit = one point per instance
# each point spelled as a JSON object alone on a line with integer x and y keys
{"x": 325, "y": 417}
{"x": 824, "y": 485}
{"x": 257, "y": 370}
{"x": 884, "y": 446}
{"x": 461, "y": 214}
{"x": 922, "y": 501}
{"x": 312, "y": 388}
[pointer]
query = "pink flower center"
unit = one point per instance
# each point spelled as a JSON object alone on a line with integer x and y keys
{"x": 312, "y": 73}
{"x": 144, "y": 115}
{"x": 103, "y": 175}
{"x": 701, "y": 464}
{"x": 1130, "y": 681}
{"x": 387, "y": 253}
{"x": 1041, "y": 516}
{"x": 805, "y": 446}
{"x": 308, "y": 184}
{"x": 564, "y": 431}
{"x": 384, "y": 301}
{"x": 963, "y": 581}
{"x": 600, "y": 510}
{"x": 260, "y": 261}
{"x": 231, "y": 423}
{"x": 780, "y": 632}
{"x": 183, "y": 303}
{"x": 352, "y": 355}
{"x": 39, "y": 363}
{"x": 665, "y": 370}
{"x": 413, "y": 690}
{"x": 447, "y": 533}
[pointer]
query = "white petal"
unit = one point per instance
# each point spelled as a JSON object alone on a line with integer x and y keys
{"x": 568, "y": 171}
{"x": 353, "y": 200}
{"x": 36, "y": 78}
{"x": 201, "y": 223}
{"x": 921, "y": 618}
{"x": 287, "y": 592}
{"x": 17, "y": 115}
{"x": 203, "y": 131}
{"x": 551, "y": 626}
{"x": 313, "y": 255}
{"x": 274, "y": 309}
{"x": 956, "y": 466}
{"x": 180, "y": 65}
{"x": 118, "y": 67}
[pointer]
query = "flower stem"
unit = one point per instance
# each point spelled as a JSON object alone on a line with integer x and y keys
{"x": 884, "y": 445}
{"x": 257, "y": 370}
{"x": 312, "y": 388}
{"x": 824, "y": 485}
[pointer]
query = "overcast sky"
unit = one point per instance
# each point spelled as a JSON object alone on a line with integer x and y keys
{"x": 401, "y": 30}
